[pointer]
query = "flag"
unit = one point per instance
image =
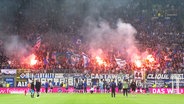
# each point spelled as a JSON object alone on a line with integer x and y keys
{"x": 37, "y": 43}
{"x": 86, "y": 60}
{"x": 75, "y": 58}
{"x": 120, "y": 62}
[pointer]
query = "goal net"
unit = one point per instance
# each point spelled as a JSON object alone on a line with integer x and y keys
{"x": 176, "y": 83}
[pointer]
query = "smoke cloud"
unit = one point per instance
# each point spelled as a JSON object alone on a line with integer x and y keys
{"x": 101, "y": 35}
{"x": 15, "y": 47}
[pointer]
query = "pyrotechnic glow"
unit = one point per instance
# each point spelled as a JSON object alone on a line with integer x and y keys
{"x": 138, "y": 63}
{"x": 100, "y": 61}
{"x": 146, "y": 60}
{"x": 32, "y": 59}
{"x": 150, "y": 58}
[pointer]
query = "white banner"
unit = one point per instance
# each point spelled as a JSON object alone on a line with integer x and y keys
{"x": 43, "y": 80}
{"x": 8, "y": 71}
{"x": 62, "y": 80}
{"x": 165, "y": 76}
{"x": 70, "y": 81}
{"x": 88, "y": 82}
{"x": 120, "y": 62}
{"x": 59, "y": 75}
{"x": 56, "y": 81}
{"x": 138, "y": 75}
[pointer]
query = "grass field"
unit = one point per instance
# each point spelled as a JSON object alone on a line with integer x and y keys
{"x": 91, "y": 99}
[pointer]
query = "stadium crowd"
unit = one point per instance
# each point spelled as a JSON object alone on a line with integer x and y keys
{"x": 159, "y": 33}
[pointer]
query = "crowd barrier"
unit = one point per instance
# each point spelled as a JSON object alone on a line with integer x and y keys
{"x": 71, "y": 90}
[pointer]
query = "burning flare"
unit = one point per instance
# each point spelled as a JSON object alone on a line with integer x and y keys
{"x": 30, "y": 60}
{"x": 100, "y": 61}
{"x": 150, "y": 58}
{"x": 138, "y": 63}
{"x": 33, "y": 61}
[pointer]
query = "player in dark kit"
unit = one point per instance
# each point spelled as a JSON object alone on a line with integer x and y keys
{"x": 46, "y": 86}
{"x": 32, "y": 90}
{"x": 119, "y": 86}
{"x": 133, "y": 87}
{"x": 113, "y": 88}
{"x": 38, "y": 86}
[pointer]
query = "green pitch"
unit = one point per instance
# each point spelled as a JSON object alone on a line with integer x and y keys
{"x": 91, "y": 99}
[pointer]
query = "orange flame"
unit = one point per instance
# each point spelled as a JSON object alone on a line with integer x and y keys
{"x": 150, "y": 58}
{"x": 30, "y": 60}
{"x": 138, "y": 63}
{"x": 100, "y": 61}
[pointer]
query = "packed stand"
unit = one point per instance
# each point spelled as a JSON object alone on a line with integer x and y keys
{"x": 159, "y": 33}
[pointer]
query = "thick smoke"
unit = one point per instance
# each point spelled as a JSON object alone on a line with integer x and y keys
{"x": 15, "y": 47}
{"x": 101, "y": 35}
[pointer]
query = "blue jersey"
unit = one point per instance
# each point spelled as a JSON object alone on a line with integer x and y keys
{"x": 46, "y": 85}
{"x": 85, "y": 84}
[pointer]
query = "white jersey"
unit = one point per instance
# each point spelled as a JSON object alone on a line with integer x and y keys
{"x": 51, "y": 85}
